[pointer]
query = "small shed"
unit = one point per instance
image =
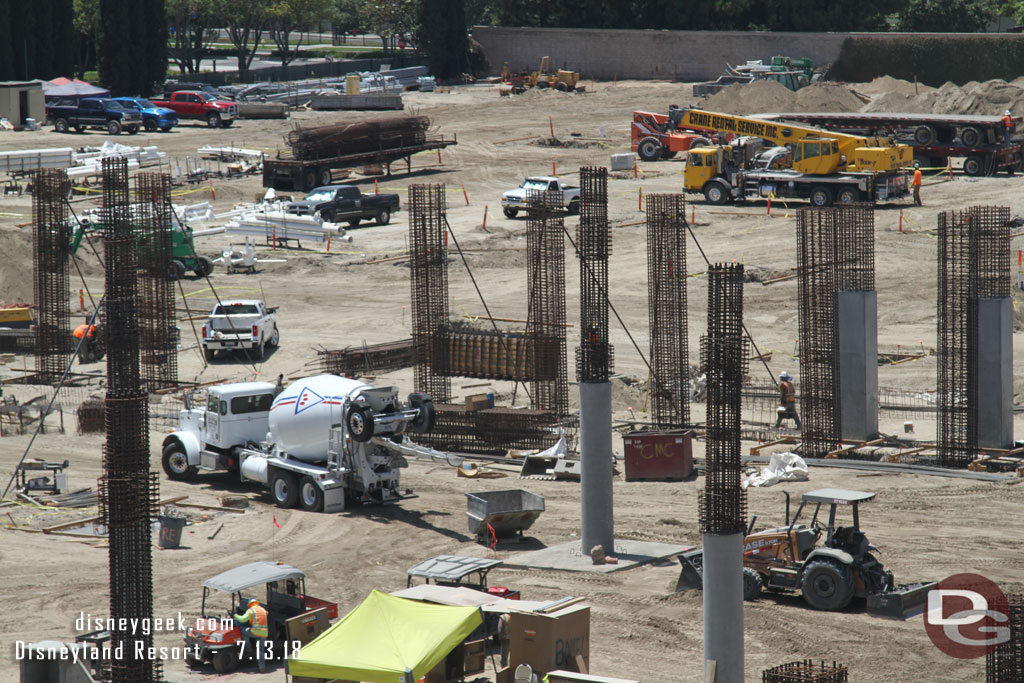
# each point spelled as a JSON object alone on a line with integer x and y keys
{"x": 21, "y": 100}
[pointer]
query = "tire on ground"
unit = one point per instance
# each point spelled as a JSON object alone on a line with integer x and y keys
{"x": 827, "y": 585}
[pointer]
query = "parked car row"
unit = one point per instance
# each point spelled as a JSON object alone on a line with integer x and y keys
{"x": 131, "y": 114}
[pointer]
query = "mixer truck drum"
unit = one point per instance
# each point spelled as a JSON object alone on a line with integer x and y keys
{"x": 360, "y": 423}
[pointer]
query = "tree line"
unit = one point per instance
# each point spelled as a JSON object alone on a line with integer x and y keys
{"x": 132, "y": 42}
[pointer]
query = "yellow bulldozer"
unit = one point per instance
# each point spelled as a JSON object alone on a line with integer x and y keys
{"x": 543, "y": 77}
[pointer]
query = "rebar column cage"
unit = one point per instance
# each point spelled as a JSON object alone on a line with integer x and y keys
{"x": 855, "y": 248}
{"x": 158, "y": 331}
{"x": 1005, "y": 663}
{"x": 806, "y": 671}
{"x": 51, "y": 250}
{"x": 545, "y": 247}
{"x": 722, "y": 503}
{"x": 973, "y": 262}
{"x": 429, "y": 278}
{"x": 669, "y": 390}
{"x": 594, "y": 244}
{"x": 817, "y": 240}
{"x": 128, "y": 491}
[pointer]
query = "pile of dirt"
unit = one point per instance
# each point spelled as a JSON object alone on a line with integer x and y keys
{"x": 888, "y": 85}
{"x": 769, "y": 96}
{"x": 987, "y": 98}
{"x": 16, "y": 275}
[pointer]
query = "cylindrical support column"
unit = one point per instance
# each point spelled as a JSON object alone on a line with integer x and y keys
{"x": 597, "y": 525}
{"x": 857, "y": 329}
{"x": 723, "y": 606}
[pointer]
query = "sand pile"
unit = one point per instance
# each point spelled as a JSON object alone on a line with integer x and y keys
{"x": 16, "y": 273}
{"x": 769, "y": 96}
{"x": 988, "y": 98}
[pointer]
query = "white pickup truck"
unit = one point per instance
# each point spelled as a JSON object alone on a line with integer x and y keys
{"x": 514, "y": 201}
{"x": 240, "y": 324}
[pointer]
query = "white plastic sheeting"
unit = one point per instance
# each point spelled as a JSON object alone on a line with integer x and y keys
{"x": 781, "y": 467}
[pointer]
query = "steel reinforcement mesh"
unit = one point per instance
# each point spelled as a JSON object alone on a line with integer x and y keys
{"x": 666, "y": 300}
{"x": 545, "y": 247}
{"x": 158, "y": 330}
{"x": 51, "y": 250}
{"x": 492, "y": 431}
{"x": 594, "y": 245}
{"x": 368, "y": 359}
{"x": 429, "y": 278}
{"x": 973, "y": 261}
{"x": 1005, "y": 663}
{"x": 128, "y": 490}
{"x": 855, "y": 247}
{"x": 722, "y": 503}
{"x": 806, "y": 671}
{"x": 817, "y": 287}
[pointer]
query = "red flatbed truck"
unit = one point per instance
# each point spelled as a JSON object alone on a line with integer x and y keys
{"x": 979, "y": 140}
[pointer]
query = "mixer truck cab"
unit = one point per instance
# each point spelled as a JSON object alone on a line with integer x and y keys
{"x": 319, "y": 442}
{"x": 209, "y": 437}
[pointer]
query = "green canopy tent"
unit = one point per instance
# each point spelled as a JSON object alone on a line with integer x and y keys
{"x": 386, "y": 640}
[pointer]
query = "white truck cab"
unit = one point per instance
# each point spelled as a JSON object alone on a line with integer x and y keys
{"x": 208, "y": 437}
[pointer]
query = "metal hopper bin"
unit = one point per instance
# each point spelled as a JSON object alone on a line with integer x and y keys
{"x": 508, "y": 513}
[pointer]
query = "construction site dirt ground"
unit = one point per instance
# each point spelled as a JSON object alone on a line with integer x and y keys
{"x": 927, "y": 527}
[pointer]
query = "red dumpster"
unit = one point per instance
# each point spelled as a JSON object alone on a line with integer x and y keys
{"x": 658, "y": 456}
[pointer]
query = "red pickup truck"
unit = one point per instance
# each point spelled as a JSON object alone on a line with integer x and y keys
{"x": 192, "y": 104}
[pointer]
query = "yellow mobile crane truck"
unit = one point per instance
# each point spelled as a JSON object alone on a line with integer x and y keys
{"x": 808, "y": 163}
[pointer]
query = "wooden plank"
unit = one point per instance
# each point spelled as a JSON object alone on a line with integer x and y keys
{"x": 219, "y": 508}
{"x": 71, "y": 525}
{"x": 860, "y": 444}
{"x": 756, "y": 450}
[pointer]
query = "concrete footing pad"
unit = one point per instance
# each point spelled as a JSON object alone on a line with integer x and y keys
{"x": 568, "y": 557}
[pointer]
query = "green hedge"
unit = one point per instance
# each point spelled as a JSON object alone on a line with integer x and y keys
{"x": 932, "y": 59}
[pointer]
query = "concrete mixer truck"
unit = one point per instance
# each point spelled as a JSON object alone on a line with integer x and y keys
{"x": 318, "y": 442}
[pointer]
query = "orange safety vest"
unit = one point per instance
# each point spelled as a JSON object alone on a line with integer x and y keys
{"x": 256, "y": 617}
{"x": 80, "y": 331}
{"x": 1008, "y": 121}
{"x": 917, "y": 178}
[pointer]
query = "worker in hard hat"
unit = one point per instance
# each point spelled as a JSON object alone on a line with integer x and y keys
{"x": 90, "y": 348}
{"x": 787, "y": 400}
{"x": 916, "y": 183}
{"x": 256, "y": 632}
{"x": 1007, "y": 124}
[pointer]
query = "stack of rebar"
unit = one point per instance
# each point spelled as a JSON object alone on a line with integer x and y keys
{"x": 545, "y": 257}
{"x": 367, "y": 360}
{"x": 1005, "y": 662}
{"x": 806, "y": 672}
{"x": 358, "y": 137}
{"x": 722, "y": 503}
{"x": 128, "y": 490}
{"x": 817, "y": 256}
{"x": 429, "y": 280}
{"x": 51, "y": 249}
{"x": 158, "y": 327}
{"x": 492, "y": 431}
{"x": 666, "y": 287}
{"x": 974, "y": 263}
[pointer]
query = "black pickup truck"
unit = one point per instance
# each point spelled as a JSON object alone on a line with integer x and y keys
{"x": 338, "y": 203}
{"x": 95, "y": 112}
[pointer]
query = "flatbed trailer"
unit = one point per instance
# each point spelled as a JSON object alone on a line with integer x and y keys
{"x": 285, "y": 172}
{"x": 979, "y": 140}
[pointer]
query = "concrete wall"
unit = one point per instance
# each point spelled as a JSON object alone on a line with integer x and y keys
{"x": 633, "y": 54}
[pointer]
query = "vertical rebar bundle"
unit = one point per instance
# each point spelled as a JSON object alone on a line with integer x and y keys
{"x": 1005, "y": 663}
{"x": 51, "y": 249}
{"x": 666, "y": 295}
{"x": 158, "y": 330}
{"x": 545, "y": 240}
{"x": 806, "y": 672}
{"x": 724, "y": 358}
{"x": 817, "y": 287}
{"x": 128, "y": 490}
{"x": 594, "y": 244}
{"x": 973, "y": 263}
{"x": 429, "y": 278}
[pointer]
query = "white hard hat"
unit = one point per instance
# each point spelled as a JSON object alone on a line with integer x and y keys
{"x": 785, "y": 375}
{"x": 1007, "y": 113}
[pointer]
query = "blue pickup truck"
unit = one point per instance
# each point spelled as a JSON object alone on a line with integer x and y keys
{"x": 153, "y": 117}
{"x": 95, "y": 112}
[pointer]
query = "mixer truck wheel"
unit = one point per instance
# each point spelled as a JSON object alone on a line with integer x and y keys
{"x": 360, "y": 423}
{"x": 284, "y": 489}
{"x": 424, "y": 422}
{"x": 175, "y": 462}
{"x": 311, "y": 496}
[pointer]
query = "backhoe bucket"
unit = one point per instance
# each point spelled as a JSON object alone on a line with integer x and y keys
{"x": 691, "y": 574}
{"x": 903, "y": 602}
